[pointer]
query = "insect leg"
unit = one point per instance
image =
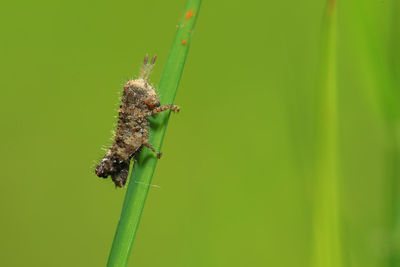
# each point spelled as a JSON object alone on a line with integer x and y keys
{"x": 166, "y": 107}
{"x": 150, "y": 146}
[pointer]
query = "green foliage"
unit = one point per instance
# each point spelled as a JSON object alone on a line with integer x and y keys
{"x": 327, "y": 232}
{"x": 379, "y": 52}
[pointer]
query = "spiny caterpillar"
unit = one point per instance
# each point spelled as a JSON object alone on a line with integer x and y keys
{"x": 139, "y": 101}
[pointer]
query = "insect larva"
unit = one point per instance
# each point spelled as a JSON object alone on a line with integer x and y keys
{"x": 139, "y": 102}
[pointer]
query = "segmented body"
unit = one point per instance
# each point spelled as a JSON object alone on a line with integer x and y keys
{"x": 139, "y": 101}
{"x": 133, "y": 125}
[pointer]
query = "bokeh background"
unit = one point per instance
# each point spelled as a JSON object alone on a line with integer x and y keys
{"x": 234, "y": 186}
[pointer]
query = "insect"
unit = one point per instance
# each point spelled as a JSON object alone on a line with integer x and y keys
{"x": 139, "y": 102}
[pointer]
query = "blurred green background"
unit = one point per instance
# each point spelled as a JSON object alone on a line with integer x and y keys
{"x": 234, "y": 186}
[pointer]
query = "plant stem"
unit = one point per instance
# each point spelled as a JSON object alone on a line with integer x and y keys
{"x": 143, "y": 170}
{"x": 327, "y": 250}
{"x": 393, "y": 173}
{"x": 393, "y": 138}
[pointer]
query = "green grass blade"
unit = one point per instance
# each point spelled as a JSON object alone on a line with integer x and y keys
{"x": 381, "y": 67}
{"x": 378, "y": 32}
{"x": 393, "y": 137}
{"x": 143, "y": 170}
{"x": 327, "y": 245}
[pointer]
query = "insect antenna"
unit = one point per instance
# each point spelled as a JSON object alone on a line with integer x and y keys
{"x": 142, "y": 71}
{"x": 153, "y": 60}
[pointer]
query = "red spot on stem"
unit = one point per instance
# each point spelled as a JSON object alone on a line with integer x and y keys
{"x": 184, "y": 41}
{"x": 189, "y": 14}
